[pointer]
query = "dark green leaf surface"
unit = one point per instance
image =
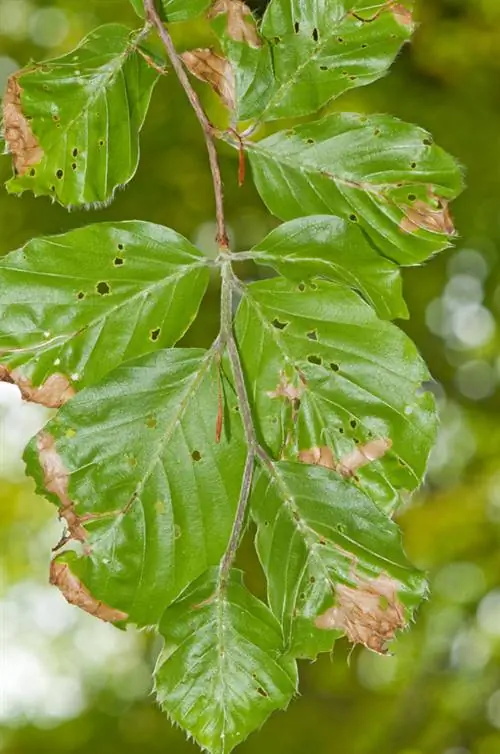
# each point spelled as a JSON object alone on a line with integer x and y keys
{"x": 357, "y": 377}
{"x": 316, "y": 531}
{"x": 222, "y": 672}
{"x": 81, "y": 303}
{"x": 86, "y": 110}
{"x": 156, "y": 493}
{"x": 322, "y": 48}
{"x": 338, "y": 250}
{"x": 174, "y": 10}
{"x": 376, "y": 170}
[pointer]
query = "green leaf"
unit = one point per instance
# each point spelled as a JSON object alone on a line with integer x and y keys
{"x": 174, "y": 10}
{"x": 321, "y": 49}
{"x": 85, "y": 110}
{"x": 141, "y": 481}
{"x": 333, "y": 561}
{"x": 79, "y": 304}
{"x": 222, "y": 671}
{"x": 338, "y": 250}
{"x": 377, "y": 171}
{"x": 323, "y": 371}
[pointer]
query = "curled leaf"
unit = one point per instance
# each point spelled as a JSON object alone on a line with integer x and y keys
{"x": 54, "y": 392}
{"x": 240, "y": 24}
{"x": 213, "y": 69}
{"x": 56, "y": 480}
{"x": 77, "y": 594}
{"x": 20, "y": 139}
{"x": 369, "y": 613}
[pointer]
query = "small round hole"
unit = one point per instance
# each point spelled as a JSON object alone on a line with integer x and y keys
{"x": 196, "y": 455}
{"x": 102, "y": 288}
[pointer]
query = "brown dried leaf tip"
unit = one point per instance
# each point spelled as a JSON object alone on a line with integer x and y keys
{"x": 77, "y": 594}
{"x": 54, "y": 392}
{"x": 369, "y": 613}
{"x": 56, "y": 481}
{"x": 421, "y": 215}
{"x": 213, "y": 69}
{"x": 20, "y": 139}
{"x": 350, "y": 463}
{"x": 240, "y": 22}
{"x": 402, "y": 15}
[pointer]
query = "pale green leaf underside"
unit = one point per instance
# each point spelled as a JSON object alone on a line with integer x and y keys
{"x": 158, "y": 493}
{"x": 174, "y": 10}
{"x": 338, "y": 250}
{"x": 86, "y": 109}
{"x": 322, "y": 48}
{"x": 316, "y": 531}
{"x": 371, "y": 169}
{"x": 81, "y": 303}
{"x": 358, "y": 378}
{"x": 222, "y": 671}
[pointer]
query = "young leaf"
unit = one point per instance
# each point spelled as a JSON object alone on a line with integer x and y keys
{"x": 73, "y": 123}
{"x": 174, "y": 10}
{"x": 322, "y": 49}
{"x": 333, "y": 561}
{"x": 222, "y": 671}
{"x": 375, "y": 170}
{"x": 134, "y": 466}
{"x": 338, "y": 250}
{"x": 323, "y": 370}
{"x": 79, "y": 304}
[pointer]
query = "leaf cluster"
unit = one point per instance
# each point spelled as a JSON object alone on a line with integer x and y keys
{"x": 306, "y": 418}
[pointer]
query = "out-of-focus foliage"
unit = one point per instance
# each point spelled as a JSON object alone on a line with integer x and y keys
{"x": 67, "y": 686}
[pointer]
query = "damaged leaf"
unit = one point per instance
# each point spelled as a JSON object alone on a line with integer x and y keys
{"x": 369, "y": 613}
{"x": 333, "y": 561}
{"x": 366, "y": 169}
{"x": 174, "y": 10}
{"x": 223, "y": 670}
{"x": 81, "y": 303}
{"x": 422, "y": 216}
{"x": 143, "y": 471}
{"x": 213, "y": 69}
{"x": 53, "y": 393}
{"x": 19, "y": 138}
{"x": 240, "y": 23}
{"x": 342, "y": 359}
{"x": 318, "y": 457}
{"x": 73, "y": 103}
{"x": 77, "y": 594}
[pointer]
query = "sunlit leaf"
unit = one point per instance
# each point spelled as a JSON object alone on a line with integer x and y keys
{"x": 323, "y": 370}
{"x": 336, "y": 249}
{"x": 147, "y": 490}
{"x": 333, "y": 561}
{"x": 80, "y": 303}
{"x": 85, "y": 111}
{"x": 375, "y": 170}
{"x": 222, "y": 671}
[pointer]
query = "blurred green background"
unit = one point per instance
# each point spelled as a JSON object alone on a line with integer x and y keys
{"x": 69, "y": 683}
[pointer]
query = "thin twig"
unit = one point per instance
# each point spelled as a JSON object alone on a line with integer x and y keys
{"x": 239, "y": 520}
{"x": 153, "y": 16}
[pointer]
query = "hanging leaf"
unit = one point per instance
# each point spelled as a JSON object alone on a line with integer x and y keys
{"x": 246, "y": 53}
{"x": 375, "y": 170}
{"x": 213, "y": 69}
{"x": 323, "y": 370}
{"x": 338, "y": 250}
{"x": 322, "y": 49}
{"x": 222, "y": 671}
{"x": 333, "y": 561}
{"x": 133, "y": 465}
{"x": 174, "y": 10}
{"x": 73, "y": 123}
{"x": 81, "y": 303}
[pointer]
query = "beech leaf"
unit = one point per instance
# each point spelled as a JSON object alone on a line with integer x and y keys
{"x": 123, "y": 289}
{"x": 174, "y": 10}
{"x": 213, "y": 69}
{"x": 73, "y": 123}
{"x": 223, "y": 670}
